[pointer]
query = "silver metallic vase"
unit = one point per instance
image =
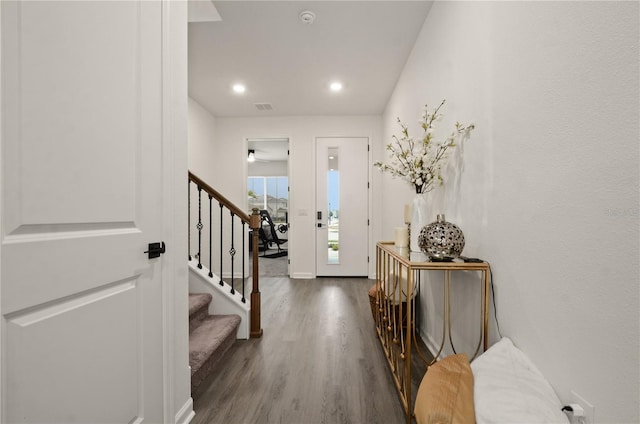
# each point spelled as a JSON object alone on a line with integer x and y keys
{"x": 441, "y": 240}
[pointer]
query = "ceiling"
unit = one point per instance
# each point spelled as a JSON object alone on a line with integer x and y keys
{"x": 289, "y": 65}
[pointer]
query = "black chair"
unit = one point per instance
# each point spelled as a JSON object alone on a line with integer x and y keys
{"x": 268, "y": 232}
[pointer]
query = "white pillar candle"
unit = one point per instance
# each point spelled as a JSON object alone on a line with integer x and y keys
{"x": 402, "y": 237}
{"x": 407, "y": 214}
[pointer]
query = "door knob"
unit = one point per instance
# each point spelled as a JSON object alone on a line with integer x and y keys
{"x": 155, "y": 250}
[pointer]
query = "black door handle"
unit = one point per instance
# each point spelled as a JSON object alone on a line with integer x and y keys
{"x": 155, "y": 250}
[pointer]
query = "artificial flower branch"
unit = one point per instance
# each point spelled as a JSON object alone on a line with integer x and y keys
{"x": 419, "y": 162}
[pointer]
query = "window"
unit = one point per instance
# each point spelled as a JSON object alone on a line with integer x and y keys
{"x": 272, "y": 194}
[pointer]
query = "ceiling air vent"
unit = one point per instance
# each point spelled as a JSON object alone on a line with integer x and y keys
{"x": 263, "y": 106}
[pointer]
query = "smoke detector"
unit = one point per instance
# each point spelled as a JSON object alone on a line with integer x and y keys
{"x": 307, "y": 17}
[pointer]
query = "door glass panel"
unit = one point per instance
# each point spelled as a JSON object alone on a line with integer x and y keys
{"x": 333, "y": 207}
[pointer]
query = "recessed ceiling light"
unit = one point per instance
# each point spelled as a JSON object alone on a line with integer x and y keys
{"x": 331, "y": 157}
{"x": 335, "y": 86}
{"x": 239, "y": 88}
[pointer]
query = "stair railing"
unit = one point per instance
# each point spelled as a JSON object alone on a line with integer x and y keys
{"x": 234, "y": 214}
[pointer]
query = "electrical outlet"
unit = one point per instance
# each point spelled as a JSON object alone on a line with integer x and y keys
{"x": 589, "y": 409}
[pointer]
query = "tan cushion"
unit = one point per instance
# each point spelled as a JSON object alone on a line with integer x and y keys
{"x": 446, "y": 393}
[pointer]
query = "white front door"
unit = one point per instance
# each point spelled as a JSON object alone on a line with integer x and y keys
{"x": 82, "y": 158}
{"x": 342, "y": 206}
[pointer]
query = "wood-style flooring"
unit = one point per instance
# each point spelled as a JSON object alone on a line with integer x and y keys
{"x": 319, "y": 361}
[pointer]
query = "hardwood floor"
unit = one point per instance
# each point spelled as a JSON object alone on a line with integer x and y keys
{"x": 319, "y": 361}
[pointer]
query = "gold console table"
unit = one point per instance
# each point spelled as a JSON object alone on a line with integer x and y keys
{"x": 397, "y": 280}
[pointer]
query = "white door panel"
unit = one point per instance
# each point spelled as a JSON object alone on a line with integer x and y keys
{"x": 82, "y": 198}
{"x": 69, "y": 345}
{"x": 73, "y": 100}
{"x": 89, "y": 260}
{"x": 342, "y": 229}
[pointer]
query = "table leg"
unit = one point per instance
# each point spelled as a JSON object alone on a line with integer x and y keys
{"x": 486, "y": 308}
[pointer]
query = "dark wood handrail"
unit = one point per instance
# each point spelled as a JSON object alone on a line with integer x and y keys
{"x": 254, "y": 223}
{"x": 220, "y": 198}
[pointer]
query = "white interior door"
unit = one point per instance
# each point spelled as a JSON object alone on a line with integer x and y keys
{"x": 342, "y": 206}
{"x": 82, "y": 197}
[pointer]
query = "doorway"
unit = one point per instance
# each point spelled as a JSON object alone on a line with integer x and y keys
{"x": 342, "y": 199}
{"x": 268, "y": 191}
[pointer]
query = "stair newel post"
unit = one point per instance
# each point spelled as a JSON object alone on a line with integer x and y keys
{"x": 221, "y": 246}
{"x": 210, "y": 237}
{"x": 244, "y": 255}
{"x": 189, "y": 216}
{"x": 256, "y": 329}
{"x": 199, "y": 226}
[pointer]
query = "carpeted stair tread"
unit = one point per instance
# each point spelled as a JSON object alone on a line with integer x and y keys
{"x": 198, "y": 308}
{"x": 197, "y": 301}
{"x": 208, "y": 342}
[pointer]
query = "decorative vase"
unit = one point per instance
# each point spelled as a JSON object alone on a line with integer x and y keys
{"x": 419, "y": 218}
{"x": 441, "y": 240}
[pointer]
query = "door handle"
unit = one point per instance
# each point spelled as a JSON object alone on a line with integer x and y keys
{"x": 155, "y": 250}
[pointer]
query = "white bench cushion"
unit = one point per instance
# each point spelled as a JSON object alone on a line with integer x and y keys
{"x": 508, "y": 388}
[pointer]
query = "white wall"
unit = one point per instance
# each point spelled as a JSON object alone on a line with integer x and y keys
{"x": 204, "y": 161}
{"x": 548, "y": 191}
{"x": 202, "y": 154}
{"x": 229, "y": 142}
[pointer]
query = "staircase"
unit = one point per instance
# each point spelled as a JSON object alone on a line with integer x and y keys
{"x": 210, "y": 336}
{"x": 220, "y": 269}
{"x": 219, "y": 261}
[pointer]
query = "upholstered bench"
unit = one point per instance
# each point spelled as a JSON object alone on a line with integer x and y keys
{"x": 500, "y": 386}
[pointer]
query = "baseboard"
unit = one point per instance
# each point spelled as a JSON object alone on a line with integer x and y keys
{"x": 186, "y": 413}
{"x": 302, "y": 276}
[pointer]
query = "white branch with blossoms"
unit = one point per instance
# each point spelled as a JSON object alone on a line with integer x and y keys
{"x": 420, "y": 161}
